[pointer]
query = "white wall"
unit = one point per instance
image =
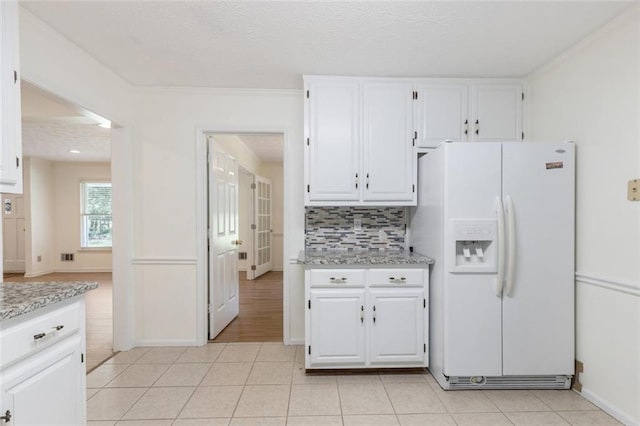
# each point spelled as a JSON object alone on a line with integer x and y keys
{"x": 164, "y": 154}
{"x": 67, "y": 177}
{"x": 591, "y": 95}
{"x": 275, "y": 172}
{"x": 39, "y": 217}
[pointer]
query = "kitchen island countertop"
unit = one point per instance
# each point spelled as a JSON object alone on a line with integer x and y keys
{"x": 20, "y": 298}
{"x": 362, "y": 257}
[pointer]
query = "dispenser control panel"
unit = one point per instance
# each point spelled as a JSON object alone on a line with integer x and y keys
{"x": 475, "y": 245}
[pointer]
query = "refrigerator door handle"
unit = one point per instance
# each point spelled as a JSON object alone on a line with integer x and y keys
{"x": 511, "y": 272}
{"x": 501, "y": 246}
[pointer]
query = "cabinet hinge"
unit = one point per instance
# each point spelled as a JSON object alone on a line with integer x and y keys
{"x": 309, "y": 303}
{"x": 424, "y": 303}
{"x": 415, "y": 96}
{"x": 307, "y": 141}
{"x": 307, "y": 94}
{"x": 253, "y": 267}
{"x": 309, "y": 349}
{"x": 308, "y": 188}
{"x": 15, "y": 76}
{"x": 17, "y": 162}
{"x": 425, "y": 348}
{"x": 522, "y": 135}
{"x": 414, "y": 188}
{"x": 523, "y": 96}
{"x": 81, "y": 358}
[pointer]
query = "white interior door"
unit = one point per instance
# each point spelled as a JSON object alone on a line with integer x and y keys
{"x": 223, "y": 239}
{"x": 13, "y": 232}
{"x": 262, "y": 242}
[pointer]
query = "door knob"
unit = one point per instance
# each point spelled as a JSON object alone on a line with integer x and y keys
{"x": 236, "y": 242}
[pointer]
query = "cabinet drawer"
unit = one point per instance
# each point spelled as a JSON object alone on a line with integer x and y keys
{"x": 396, "y": 277}
{"x": 337, "y": 277}
{"x": 38, "y": 331}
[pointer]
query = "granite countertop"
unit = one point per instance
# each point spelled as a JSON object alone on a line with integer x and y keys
{"x": 361, "y": 257}
{"x": 21, "y": 298}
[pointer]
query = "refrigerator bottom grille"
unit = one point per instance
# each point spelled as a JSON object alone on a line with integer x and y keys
{"x": 510, "y": 382}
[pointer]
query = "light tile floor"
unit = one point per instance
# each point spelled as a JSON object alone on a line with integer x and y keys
{"x": 265, "y": 384}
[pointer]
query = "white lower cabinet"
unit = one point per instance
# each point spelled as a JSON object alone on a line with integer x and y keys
{"x": 356, "y": 319}
{"x": 45, "y": 384}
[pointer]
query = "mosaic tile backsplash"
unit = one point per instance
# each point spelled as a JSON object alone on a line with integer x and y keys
{"x": 331, "y": 228}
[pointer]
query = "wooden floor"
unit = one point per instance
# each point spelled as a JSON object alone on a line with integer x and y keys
{"x": 260, "y": 318}
{"x": 99, "y": 311}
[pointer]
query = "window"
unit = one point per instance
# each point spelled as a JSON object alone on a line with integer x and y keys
{"x": 95, "y": 229}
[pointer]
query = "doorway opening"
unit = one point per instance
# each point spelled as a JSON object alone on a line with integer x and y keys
{"x": 245, "y": 192}
{"x": 60, "y": 228}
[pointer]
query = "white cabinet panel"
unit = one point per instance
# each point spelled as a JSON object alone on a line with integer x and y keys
{"x": 50, "y": 390}
{"x": 389, "y": 162}
{"x": 496, "y": 112}
{"x": 10, "y": 114}
{"x": 348, "y": 327}
{"x": 441, "y": 113}
{"x": 397, "y": 326}
{"x": 337, "y": 327}
{"x": 333, "y": 155}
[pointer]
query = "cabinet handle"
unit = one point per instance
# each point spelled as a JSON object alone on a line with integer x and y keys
{"x": 362, "y": 314}
{"x": 477, "y": 127}
{"x": 367, "y": 183}
{"x": 394, "y": 279}
{"x": 374, "y": 314}
{"x": 356, "y": 181}
{"x": 53, "y": 330}
{"x": 339, "y": 280}
{"x": 6, "y": 417}
{"x": 466, "y": 127}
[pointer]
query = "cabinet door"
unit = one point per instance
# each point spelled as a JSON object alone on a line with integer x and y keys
{"x": 441, "y": 114}
{"x": 333, "y": 138}
{"x": 397, "y": 321}
{"x": 47, "y": 388}
{"x": 10, "y": 114}
{"x": 496, "y": 112}
{"x": 389, "y": 160}
{"x": 336, "y": 327}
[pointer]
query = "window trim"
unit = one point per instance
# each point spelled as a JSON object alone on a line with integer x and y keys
{"x": 83, "y": 215}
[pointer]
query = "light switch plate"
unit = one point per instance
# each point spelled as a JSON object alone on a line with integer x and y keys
{"x": 357, "y": 224}
{"x": 633, "y": 190}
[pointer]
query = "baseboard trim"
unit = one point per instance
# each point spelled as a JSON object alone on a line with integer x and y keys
{"x": 296, "y": 342}
{"x": 163, "y": 261}
{"x": 38, "y": 274}
{"x": 165, "y": 342}
{"x": 608, "y": 408}
{"x": 609, "y": 284}
{"x": 81, "y": 270}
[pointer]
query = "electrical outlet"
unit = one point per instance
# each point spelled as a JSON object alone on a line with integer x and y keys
{"x": 357, "y": 224}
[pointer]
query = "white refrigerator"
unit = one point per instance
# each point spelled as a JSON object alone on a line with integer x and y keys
{"x": 498, "y": 219}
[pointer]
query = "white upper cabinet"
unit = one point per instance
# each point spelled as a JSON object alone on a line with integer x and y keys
{"x": 359, "y": 142}
{"x": 441, "y": 113}
{"x": 468, "y": 110}
{"x": 496, "y": 112}
{"x": 10, "y": 114}
{"x": 332, "y": 156}
{"x": 389, "y": 172}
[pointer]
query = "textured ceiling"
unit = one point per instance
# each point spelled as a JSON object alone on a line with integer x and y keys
{"x": 52, "y": 127}
{"x": 271, "y": 44}
{"x": 267, "y": 147}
